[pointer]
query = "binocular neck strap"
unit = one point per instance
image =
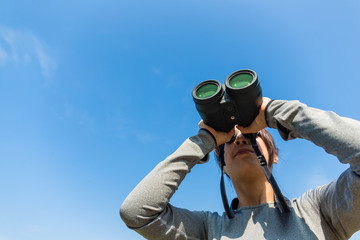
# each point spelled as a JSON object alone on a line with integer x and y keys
{"x": 228, "y": 210}
{"x": 279, "y": 198}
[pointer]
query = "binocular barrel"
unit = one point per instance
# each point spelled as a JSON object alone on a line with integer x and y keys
{"x": 237, "y": 102}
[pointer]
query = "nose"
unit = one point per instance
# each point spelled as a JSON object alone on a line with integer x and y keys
{"x": 240, "y": 139}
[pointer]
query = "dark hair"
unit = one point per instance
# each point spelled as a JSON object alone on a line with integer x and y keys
{"x": 269, "y": 143}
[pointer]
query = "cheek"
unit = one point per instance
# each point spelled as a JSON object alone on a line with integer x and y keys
{"x": 226, "y": 154}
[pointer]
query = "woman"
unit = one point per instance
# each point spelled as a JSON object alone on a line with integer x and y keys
{"x": 331, "y": 211}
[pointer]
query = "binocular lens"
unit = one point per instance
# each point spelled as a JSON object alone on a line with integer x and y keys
{"x": 236, "y": 102}
{"x": 207, "y": 90}
{"x": 241, "y": 80}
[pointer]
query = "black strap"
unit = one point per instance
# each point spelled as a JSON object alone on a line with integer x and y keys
{"x": 228, "y": 210}
{"x": 279, "y": 198}
{"x": 213, "y": 137}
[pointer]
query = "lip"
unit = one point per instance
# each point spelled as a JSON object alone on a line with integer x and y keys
{"x": 243, "y": 151}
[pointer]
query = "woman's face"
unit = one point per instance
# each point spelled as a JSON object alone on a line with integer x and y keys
{"x": 241, "y": 161}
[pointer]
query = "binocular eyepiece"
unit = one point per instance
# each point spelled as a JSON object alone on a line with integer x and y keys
{"x": 237, "y": 102}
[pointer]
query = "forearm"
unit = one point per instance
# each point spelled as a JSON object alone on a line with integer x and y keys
{"x": 337, "y": 135}
{"x": 338, "y": 201}
{"x": 153, "y": 193}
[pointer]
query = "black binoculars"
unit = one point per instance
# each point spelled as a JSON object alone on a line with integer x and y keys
{"x": 237, "y": 102}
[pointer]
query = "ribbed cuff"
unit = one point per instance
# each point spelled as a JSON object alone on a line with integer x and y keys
{"x": 210, "y": 134}
{"x": 266, "y": 114}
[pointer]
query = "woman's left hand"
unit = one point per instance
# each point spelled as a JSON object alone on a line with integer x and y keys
{"x": 259, "y": 122}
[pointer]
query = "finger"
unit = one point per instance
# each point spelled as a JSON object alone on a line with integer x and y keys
{"x": 249, "y": 129}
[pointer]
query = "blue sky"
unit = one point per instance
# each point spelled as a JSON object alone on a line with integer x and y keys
{"x": 95, "y": 93}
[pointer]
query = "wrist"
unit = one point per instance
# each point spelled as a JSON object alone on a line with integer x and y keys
{"x": 211, "y": 134}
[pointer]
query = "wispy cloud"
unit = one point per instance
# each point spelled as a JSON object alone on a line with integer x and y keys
{"x": 67, "y": 112}
{"x": 173, "y": 81}
{"x": 318, "y": 177}
{"x": 156, "y": 70}
{"x": 5, "y": 238}
{"x": 169, "y": 80}
{"x": 23, "y": 48}
{"x": 143, "y": 137}
{"x": 33, "y": 230}
{"x": 3, "y": 56}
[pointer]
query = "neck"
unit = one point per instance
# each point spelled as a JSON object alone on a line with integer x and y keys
{"x": 254, "y": 193}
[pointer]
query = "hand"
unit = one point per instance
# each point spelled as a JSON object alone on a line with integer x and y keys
{"x": 259, "y": 122}
{"x": 221, "y": 137}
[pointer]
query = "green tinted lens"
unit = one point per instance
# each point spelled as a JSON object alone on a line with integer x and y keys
{"x": 241, "y": 80}
{"x": 207, "y": 90}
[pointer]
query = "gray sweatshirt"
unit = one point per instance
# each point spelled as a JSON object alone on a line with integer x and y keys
{"x": 331, "y": 211}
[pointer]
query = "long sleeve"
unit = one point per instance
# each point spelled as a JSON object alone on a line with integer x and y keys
{"x": 327, "y": 212}
{"x": 146, "y": 209}
{"x": 339, "y": 201}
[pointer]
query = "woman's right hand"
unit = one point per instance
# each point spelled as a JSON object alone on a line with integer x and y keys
{"x": 221, "y": 137}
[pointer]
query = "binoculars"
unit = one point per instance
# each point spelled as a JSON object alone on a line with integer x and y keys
{"x": 237, "y": 102}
